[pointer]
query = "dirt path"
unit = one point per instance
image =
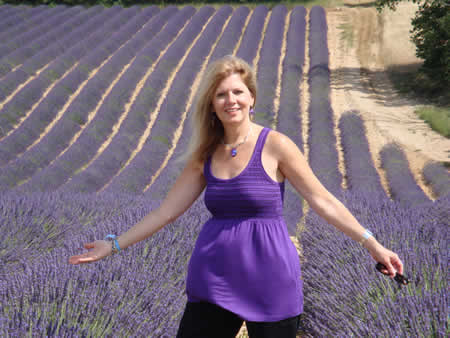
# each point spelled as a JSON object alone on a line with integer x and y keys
{"x": 363, "y": 44}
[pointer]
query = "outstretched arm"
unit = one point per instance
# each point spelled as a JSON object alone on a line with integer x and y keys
{"x": 181, "y": 196}
{"x": 295, "y": 168}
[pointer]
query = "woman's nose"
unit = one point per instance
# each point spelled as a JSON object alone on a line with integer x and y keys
{"x": 231, "y": 97}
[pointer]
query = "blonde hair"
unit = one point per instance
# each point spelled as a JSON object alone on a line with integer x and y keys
{"x": 206, "y": 136}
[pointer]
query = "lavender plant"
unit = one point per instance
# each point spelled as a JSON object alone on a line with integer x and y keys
{"x": 231, "y": 35}
{"x": 438, "y": 177}
{"x": 268, "y": 66}
{"x": 14, "y": 109}
{"x": 360, "y": 171}
{"x": 45, "y": 296}
{"x": 141, "y": 291}
{"x": 41, "y": 23}
{"x": 13, "y": 18}
{"x": 289, "y": 113}
{"x": 40, "y": 48}
{"x": 252, "y": 35}
{"x": 60, "y": 170}
{"x": 402, "y": 185}
{"x": 346, "y": 296}
{"x": 138, "y": 173}
{"x": 322, "y": 141}
{"x": 31, "y": 128}
{"x": 119, "y": 150}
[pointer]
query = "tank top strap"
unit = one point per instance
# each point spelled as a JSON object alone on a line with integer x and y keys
{"x": 260, "y": 144}
{"x": 262, "y": 140}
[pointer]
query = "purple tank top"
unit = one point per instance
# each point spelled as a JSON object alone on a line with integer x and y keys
{"x": 244, "y": 260}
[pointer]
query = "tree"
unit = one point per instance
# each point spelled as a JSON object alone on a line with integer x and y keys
{"x": 430, "y": 34}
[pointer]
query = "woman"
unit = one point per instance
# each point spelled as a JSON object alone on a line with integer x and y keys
{"x": 244, "y": 266}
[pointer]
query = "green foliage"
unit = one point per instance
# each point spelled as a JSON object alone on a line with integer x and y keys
{"x": 430, "y": 34}
{"x": 437, "y": 118}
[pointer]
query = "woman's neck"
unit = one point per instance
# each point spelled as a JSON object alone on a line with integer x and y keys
{"x": 235, "y": 134}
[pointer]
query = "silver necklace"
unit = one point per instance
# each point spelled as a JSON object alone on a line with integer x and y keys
{"x": 234, "y": 149}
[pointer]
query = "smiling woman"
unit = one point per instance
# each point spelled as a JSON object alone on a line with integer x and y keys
{"x": 225, "y": 97}
{"x": 244, "y": 266}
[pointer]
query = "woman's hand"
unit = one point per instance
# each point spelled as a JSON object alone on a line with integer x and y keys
{"x": 99, "y": 250}
{"x": 386, "y": 257}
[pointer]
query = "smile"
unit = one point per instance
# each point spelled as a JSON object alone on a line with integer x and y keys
{"x": 231, "y": 110}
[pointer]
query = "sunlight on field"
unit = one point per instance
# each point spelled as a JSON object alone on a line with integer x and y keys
{"x": 94, "y": 114}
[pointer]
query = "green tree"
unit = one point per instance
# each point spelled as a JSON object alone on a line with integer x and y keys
{"x": 430, "y": 34}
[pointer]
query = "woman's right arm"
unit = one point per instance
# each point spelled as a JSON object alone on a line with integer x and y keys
{"x": 181, "y": 196}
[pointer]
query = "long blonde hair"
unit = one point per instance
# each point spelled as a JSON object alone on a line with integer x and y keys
{"x": 206, "y": 136}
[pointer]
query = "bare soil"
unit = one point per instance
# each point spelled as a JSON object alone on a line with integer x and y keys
{"x": 364, "y": 46}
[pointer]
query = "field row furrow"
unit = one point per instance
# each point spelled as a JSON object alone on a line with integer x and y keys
{"x": 289, "y": 112}
{"x": 146, "y": 44}
{"x": 16, "y": 108}
{"x": 11, "y": 18}
{"x": 267, "y": 76}
{"x": 138, "y": 173}
{"x": 438, "y": 177}
{"x": 91, "y": 140}
{"x": 361, "y": 172}
{"x": 112, "y": 159}
{"x": 323, "y": 156}
{"x": 66, "y": 80}
{"x": 402, "y": 186}
{"x": 32, "y": 29}
{"x": 163, "y": 178}
{"x": 252, "y": 35}
{"x": 42, "y": 50}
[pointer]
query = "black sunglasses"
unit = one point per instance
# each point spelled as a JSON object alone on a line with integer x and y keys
{"x": 400, "y": 279}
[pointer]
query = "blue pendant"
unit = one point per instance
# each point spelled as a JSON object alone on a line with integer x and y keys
{"x": 233, "y": 152}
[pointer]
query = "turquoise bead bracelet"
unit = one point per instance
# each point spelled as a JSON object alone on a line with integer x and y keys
{"x": 115, "y": 243}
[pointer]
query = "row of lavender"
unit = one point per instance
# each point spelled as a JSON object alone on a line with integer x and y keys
{"x": 346, "y": 296}
{"x": 46, "y": 321}
{"x": 289, "y": 115}
{"x": 137, "y": 293}
{"x": 39, "y": 242}
{"x": 25, "y": 136}
{"x": 143, "y": 49}
{"x": 51, "y": 171}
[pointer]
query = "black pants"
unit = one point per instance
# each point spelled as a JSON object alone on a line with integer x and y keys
{"x": 206, "y": 320}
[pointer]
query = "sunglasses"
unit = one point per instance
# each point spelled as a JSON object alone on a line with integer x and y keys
{"x": 400, "y": 279}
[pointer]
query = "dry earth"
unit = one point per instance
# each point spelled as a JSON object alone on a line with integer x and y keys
{"x": 363, "y": 45}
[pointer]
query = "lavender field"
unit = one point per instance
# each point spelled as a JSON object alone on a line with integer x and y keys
{"x": 94, "y": 112}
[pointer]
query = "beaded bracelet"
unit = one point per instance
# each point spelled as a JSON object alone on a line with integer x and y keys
{"x": 114, "y": 243}
{"x": 366, "y": 235}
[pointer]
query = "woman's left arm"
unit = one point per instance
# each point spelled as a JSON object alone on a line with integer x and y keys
{"x": 293, "y": 165}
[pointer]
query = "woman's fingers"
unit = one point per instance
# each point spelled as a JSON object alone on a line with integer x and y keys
{"x": 89, "y": 245}
{"x": 398, "y": 265}
{"x": 391, "y": 270}
{"x": 83, "y": 258}
{"x": 97, "y": 250}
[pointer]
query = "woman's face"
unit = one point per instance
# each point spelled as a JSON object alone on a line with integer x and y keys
{"x": 232, "y": 100}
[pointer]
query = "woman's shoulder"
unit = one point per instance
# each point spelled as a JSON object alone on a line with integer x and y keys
{"x": 277, "y": 139}
{"x": 278, "y": 143}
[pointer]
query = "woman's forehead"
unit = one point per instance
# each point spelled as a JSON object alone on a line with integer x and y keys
{"x": 232, "y": 80}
